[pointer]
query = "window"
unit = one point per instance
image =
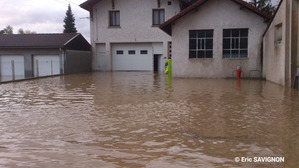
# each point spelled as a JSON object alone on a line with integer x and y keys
{"x": 119, "y": 52}
{"x": 114, "y": 18}
{"x": 143, "y": 51}
{"x": 131, "y": 52}
{"x": 158, "y": 16}
{"x": 235, "y": 43}
{"x": 169, "y": 2}
{"x": 201, "y": 43}
{"x": 278, "y": 33}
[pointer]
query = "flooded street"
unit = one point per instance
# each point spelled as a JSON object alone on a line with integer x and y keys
{"x": 141, "y": 119}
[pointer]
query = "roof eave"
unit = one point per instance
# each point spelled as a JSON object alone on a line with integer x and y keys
{"x": 31, "y": 47}
{"x": 87, "y": 5}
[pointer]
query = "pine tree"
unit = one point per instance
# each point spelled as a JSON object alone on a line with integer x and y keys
{"x": 69, "y": 22}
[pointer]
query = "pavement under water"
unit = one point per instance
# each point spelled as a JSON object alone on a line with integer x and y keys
{"x": 142, "y": 119}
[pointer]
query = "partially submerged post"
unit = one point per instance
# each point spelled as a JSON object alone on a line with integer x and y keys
{"x": 13, "y": 69}
{"x": 37, "y": 72}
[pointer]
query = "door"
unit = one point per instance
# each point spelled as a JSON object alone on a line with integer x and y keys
{"x": 132, "y": 57}
{"x": 46, "y": 65}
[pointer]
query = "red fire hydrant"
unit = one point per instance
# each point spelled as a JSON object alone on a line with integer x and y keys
{"x": 238, "y": 71}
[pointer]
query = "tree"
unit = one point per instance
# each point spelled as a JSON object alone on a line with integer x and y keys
{"x": 264, "y": 5}
{"x": 184, "y": 5}
{"x": 7, "y": 30}
{"x": 69, "y": 22}
{"x": 21, "y": 31}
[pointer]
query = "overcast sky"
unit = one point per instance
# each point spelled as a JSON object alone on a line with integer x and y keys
{"x": 44, "y": 16}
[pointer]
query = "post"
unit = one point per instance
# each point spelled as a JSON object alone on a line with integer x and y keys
{"x": 13, "y": 69}
{"x": 52, "y": 67}
{"x": 37, "y": 72}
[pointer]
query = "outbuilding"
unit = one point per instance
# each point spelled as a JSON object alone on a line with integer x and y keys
{"x": 212, "y": 37}
{"x": 35, "y": 55}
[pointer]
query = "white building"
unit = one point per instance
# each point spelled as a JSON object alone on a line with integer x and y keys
{"x": 281, "y": 45}
{"x": 125, "y": 34}
{"x": 212, "y": 37}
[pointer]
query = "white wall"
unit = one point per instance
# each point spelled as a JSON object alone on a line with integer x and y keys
{"x": 216, "y": 15}
{"x": 274, "y": 55}
{"x": 135, "y": 26}
{"x": 281, "y": 60}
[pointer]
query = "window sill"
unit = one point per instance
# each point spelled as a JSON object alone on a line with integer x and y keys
{"x": 114, "y": 27}
{"x": 237, "y": 58}
{"x": 156, "y": 26}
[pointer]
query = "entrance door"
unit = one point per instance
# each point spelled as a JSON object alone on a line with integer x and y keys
{"x": 158, "y": 63}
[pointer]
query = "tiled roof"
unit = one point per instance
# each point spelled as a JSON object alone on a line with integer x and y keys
{"x": 36, "y": 40}
{"x": 167, "y": 25}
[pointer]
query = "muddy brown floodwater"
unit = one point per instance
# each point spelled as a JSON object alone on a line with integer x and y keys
{"x": 141, "y": 119}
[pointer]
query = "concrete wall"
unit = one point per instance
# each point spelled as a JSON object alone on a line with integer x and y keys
{"x": 28, "y": 56}
{"x": 77, "y": 61}
{"x": 216, "y": 15}
{"x": 280, "y": 59}
{"x": 135, "y": 27}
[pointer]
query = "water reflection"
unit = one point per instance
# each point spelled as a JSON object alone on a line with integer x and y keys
{"x": 141, "y": 119}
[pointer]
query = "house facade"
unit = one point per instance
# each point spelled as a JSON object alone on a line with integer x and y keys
{"x": 212, "y": 37}
{"x": 36, "y": 55}
{"x": 281, "y": 47}
{"x": 125, "y": 35}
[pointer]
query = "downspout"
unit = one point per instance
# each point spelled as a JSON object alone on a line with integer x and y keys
{"x": 287, "y": 45}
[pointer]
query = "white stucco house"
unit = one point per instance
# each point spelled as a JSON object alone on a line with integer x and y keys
{"x": 281, "y": 45}
{"x": 212, "y": 37}
{"x": 125, "y": 34}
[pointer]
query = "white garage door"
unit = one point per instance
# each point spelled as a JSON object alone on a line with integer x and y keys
{"x": 45, "y": 65}
{"x": 12, "y": 64}
{"x": 132, "y": 57}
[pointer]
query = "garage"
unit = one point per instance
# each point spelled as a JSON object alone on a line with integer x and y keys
{"x": 12, "y": 65}
{"x": 132, "y": 57}
{"x": 46, "y": 65}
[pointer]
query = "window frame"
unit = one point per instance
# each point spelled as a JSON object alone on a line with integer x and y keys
{"x": 235, "y": 43}
{"x": 203, "y": 48}
{"x": 131, "y": 52}
{"x": 278, "y": 34}
{"x": 114, "y": 13}
{"x": 159, "y": 16}
{"x": 143, "y": 52}
{"x": 119, "y": 52}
